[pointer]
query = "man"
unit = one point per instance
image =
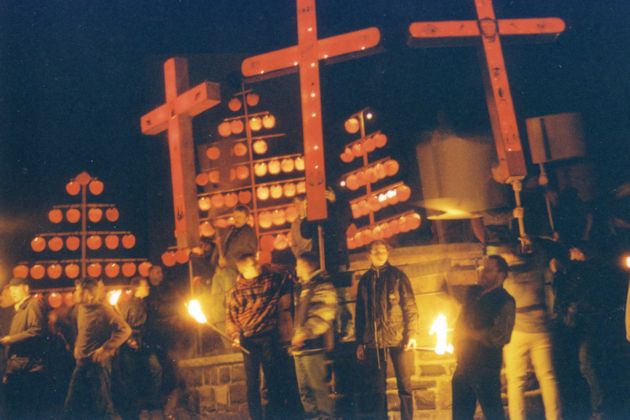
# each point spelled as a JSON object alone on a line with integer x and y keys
{"x": 299, "y": 244}
{"x": 315, "y": 313}
{"x": 252, "y": 322}
{"x": 386, "y": 325}
{"x": 25, "y": 374}
{"x": 484, "y": 326}
{"x": 100, "y": 332}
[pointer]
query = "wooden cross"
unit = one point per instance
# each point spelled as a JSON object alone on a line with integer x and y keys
{"x": 511, "y": 166}
{"x": 305, "y": 56}
{"x": 175, "y": 117}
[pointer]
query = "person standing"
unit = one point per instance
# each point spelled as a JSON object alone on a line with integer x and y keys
{"x": 386, "y": 326}
{"x": 25, "y": 374}
{"x": 484, "y": 326}
{"x": 100, "y": 332}
{"x": 313, "y": 336}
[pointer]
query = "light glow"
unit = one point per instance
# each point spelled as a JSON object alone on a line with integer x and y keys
{"x": 440, "y": 329}
{"x": 114, "y": 296}
{"x": 194, "y": 309}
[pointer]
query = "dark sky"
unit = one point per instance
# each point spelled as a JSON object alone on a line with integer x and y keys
{"x": 75, "y": 77}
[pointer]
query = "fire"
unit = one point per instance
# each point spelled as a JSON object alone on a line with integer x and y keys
{"x": 440, "y": 329}
{"x": 113, "y": 297}
{"x": 194, "y": 309}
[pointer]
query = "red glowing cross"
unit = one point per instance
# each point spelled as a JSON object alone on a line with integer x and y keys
{"x": 511, "y": 165}
{"x": 175, "y": 116}
{"x": 306, "y": 56}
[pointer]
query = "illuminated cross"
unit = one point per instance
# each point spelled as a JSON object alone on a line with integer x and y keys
{"x": 175, "y": 116}
{"x": 306, "y": 56}
{"x": 511, "y": 166}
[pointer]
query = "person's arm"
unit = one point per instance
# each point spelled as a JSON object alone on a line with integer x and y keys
{"x": 121, "y": 331}
{"x": 410, "y": 311}
{"x": 231, "y": 308}
{"x": 34, "y": 324}
{"x": 500, "y": 332}
{"x": 322, "y": 312}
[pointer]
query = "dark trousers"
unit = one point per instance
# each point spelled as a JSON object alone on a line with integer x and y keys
{"x": 27, "y": 395}
{"x": 374, "y": 398}
{"x": 89, "y": 395}
{"x": 470, "y": 386}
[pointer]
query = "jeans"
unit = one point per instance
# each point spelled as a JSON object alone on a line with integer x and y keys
{"x": 89, "y": 395}
{"x": 476, "y": 384}
{"x": 312, "y": 370}
{"x": 374, "y": 404}
{"x": 537, "y": 348}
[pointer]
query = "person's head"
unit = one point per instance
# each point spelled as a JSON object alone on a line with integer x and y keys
{"x": 379, "y": 253}
{"x": 300, "y": 205}
{"x": 90, "y": 291}
{"x": 140, "y": 285}
{"x": 306, "y": 264}
{"x": 493, "y": 272}
{"x": 156, "y": 275}
{"x": 248, "y": 267}
{"x": 18, "y": 289}
{"x": 240, "y": 215}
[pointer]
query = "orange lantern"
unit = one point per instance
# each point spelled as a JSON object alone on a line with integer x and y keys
{"x": 129, "y": 269}
{"x": 403, "y": 225}
{"x": 299, "y": 163}
{"x": 380, "y": 140}
{"x": 213, "y": 152}
{"x": 352, "y": 182}
{"x": 255, "y": 123}
{"x": 201, "y": 179}
{"x": 242, "y": 172}
{"x": 351, "y": 125}
{"x": 369, "y": 145}
{"x": 112, "y": 270}
{"x": 55, "y": 300}
{"x": 262, "y": 193}
{"x": 289, "y": 189}
{"x": 73, "y": 215}
{"x": 291, "y": 214}
{"x": 301, "y": 187}
{"x": 358, "y": 240}
{"x": 380, "y": 171}
{"x": 54, "y": 271}
{"x": 144, "y": 268}
{"x": 237, "y": 126}
{"x": 68, "y": 299}
{"x": 361, "y": 178}
{"x": 111, "y": 214}
{"x": 206, "y": 229}
{"x": 269, "y": 121}
{"x": 275, "y": 191}
{"x": 38, "y": 244}
{"x": 260, "y": 169}
{"x": 253, "y": 99}
{"x": 73, "y": 188}
{"x": 128, "y": 241}
{"x": 83, "y": 178}
{"x": 168, "y": 259}
{"x": 266, "y": 243}
{"x": 260, "y": 147}
{"x": 414, "y": 221}
{"x": 112, "y": 241}
{"x": 265, "y": 220}
{"x": 352, "y": 230}
{"x": 391, "y": 167}
{"x": 231, "y": 199}
{"x": 55, "y": 243}
{"x": 55, "y": 216}
{"x": 370, "y": 175}
{"x": 232, "y": 174}
{"x": 377, "y": 233}
{"x": 235, "y": 104}
{"x": 204, "y": 203}
{"x": 72, "y": 271}
{"x": 20, "y": 271}
{"x": 239, "y": 149}
{"x": 274, "y": 167}
{"x": 354, "y": 207}
{"x": 182, "y": 255}
{"x": 221, "y": 223}
{"x": 281, "y": 242}
{"x": 374, "y": 204}
{"x": 217, "y": 201}
{"x": 96, "y": 187}
{"x": 367, "y": 236}
{"x": 73, "y": 243}
{"x": 244, "y": 197}
{"x": 392, "y": 197}
{"x": 403, "y": 192}
{"x": 224, "y": 129}
{"x": 94, "y": 242}
{"x": 95, "y": 270}
{"x": 394, "y": 225}
{"x": 347, "y": 156}
{"x": 278, "y": 218}
{"x": 357, "y": 150}
{"x": 287, "y": 165}
{"x": 350, "y": 243}
{"x": 95, "y": 214}
{"x": 214, "y": 176}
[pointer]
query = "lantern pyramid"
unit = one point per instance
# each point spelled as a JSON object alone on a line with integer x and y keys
{"x": 85, "y": 243}
{"x": 375, "y": 197}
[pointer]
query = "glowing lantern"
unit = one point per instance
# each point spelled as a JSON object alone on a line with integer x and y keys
{"x": 369, "y": 145}
{"x": 68, "y": 299}
{"x": 289, "y": 189}
{"x": 387, "y": 231}
{"x": 182, "y": 255}
{"x": 276, "y": 191}
{"x": 96, "y": 187}
{"x": 301, "y": 187}
{"x": 232, "y": 174}
{"x": 367, "y": 236}
{"x": 213, "y": 153}
{"x": 224, "y": 129}
{"x": 128, "y": 241}
{"x": 95, "y": 215}
{"x": 374, "y": 204}
{"x": 380, "y": 140}
{"x": 38, "y": 244}
{"x": 352, "y": 182}
{"x": 281, "y": 242}
{"x": 94, "y": 270}
{"x": 72, "y": 271}
{"x": 278, "y": 218}
{"x": 255, "y": 123}
{"x": 237, "y": 126}
{"x": 73, "y": 243}
{"x": 54, "y": 271}
{"x": 354, "y": 207}
{"x": 144, "y": 268}
{"x": 231, "y": 199}
{"x": 55, "y": 216}
{"x": 260, "y": 147}
{"x": 242, "y": 172}
{"x": 403, "y": 225}
{"x": 394, "y": 225}
{"x": 111, "y": 214}
{"x": 274, "y": 167}
{"x": 370, "y": 175}
{"x": 357, "y": 150}
{"x": 377, "y": 233}
{"x": 265, "y": 220}
{"x": 253, "y": 99}
{"x": 260, "y": 169}
{"x": 168, "y": 259}
{"x": 352, "y": 230}
{"x": 217, "y": 201}
{"x": 206, "y": 229}
{"x": 391, "y": 167}
{"x": 262, "y": 193}
{"x": 204, "y": 203}
{"x": 287, "y": 165}
{"x": 358, "y": 240}
{"x": 55, "y": 243}
{"x": 380, "y": 171}
{"x": 20, "y": 271}
{"x": 201, "y": 179}
{"x": 73, "y": 188}
{"x": 347, "y": 155}
{"x": 244, "y": 197}
{"x": 361, "y": 178}
{"x": 351, "y": 125}
{"x": 269, "y": 121}
{"x": 73, "y": 215}
{"x": 94, "y": 242}
{"x": 112, "y": 270}
{"x": 299, "y": 163}
{"x": 414, "y": 221}
{"x": 266, "y": 243}
{"x": 392, "y": 197}
{"x": 239, "y": 149}
{"x": 112, "y": 241}
{"x": 129, "y": 269}
{"x": 291, "y": 214}
{"x": 83, "y": 178}
{"x": 55, "y": 300}
{"x": 235, "y": 104}
{"x": 214, "y": 176}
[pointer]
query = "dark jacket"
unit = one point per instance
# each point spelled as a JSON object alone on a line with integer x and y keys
{"x": 134, "y": 312}
{"x": 99, "y": 325}
{"x": 27, "y": 337}
{"x": 316, "y": 312}
{"x": 385, "y": 295}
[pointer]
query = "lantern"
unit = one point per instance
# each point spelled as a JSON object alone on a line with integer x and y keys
{"x": 265, "y": 220}
{"x": 144, "y": 268}
{"x": 55, "y": 216}
{"x": 354, "y": 207}
{"x": 403, "y": 192}
{"x": 281, "y": 242}
{"x": 352, "y": 230}
{"x": 287, "y": 165}
{"x": 347, "y": 155}
{"x": 357, "y": 150}
{"x": 94, "y": 270}
{"x": 276, "y": 191}
{"x": 266, "y": 243}
{"x": 235, "y": 104}
{"x": 289, "y": 189}
{"x": 221, "y": 223}
{"x": 260, "y": 169}
{"x": 111, "y": 242}
{"x": 201, "y": 179}
{"x": 213, "y": 152}
{"x": 182, "y": 255}
{"x": 128, "y": 241}
{"x": 301, "y": 187}
{"x": 72, "y": 271}
{"x": 168, "y": 259}
{"x": 253, "y": 99}
{"x": 361, "y": 178}
{"x": 38, "y": 244}
{"x": 274, "y": 167}
{"x": 217, "y": 201}
{"x": 374, "y": 204}
{"x": 94, "y": 242}
{"x": 73, "y": 188}
{"x": 299, "y": 163}
{"x": 214, "y": 176}
{"x": 414, "y": 221}
{"x": 112, "y": 270}
{"x": 244, "y": 197}
{"x": 391, "y": 167}
{"x": 237, "y": 126}
{"x": 20, "y": 271}
{"x": 291, "y": 214}
{"x": 352, "y": 125}
{"x": 262, "y": 193}
{"x": 352, "y": 182}
{"x": 95, "y": 214}
{"x": 260, "y": 147}
{"x": 55, "y": 243}
{"x": 369, "y": 145}
{"x": 129, "y": 269}
{"x": 224, "y": 129}
{"x": 68, "y": 299}
{"x": 232, "y": 174}
{"x": 96, "y": 187}
{"x": 380, "y": 171}
{"x": 269, "y": 121}
{"x": 377, "y": 232}
{"x": 255, "y": 123}
{"x": 380, "y": 140}
{"x": 231, "y": 199}
{"x": 403, "y": 226}
{"x": 242, "y": 172}
{"x": 111, "y": 214}
{"x": 392, "y": 197}
{"x": 239, "y": 149}
{"x": 371, "y": 175}
{"x": 350, "y": 243}
{"x": 206, "y": 229}
{"x": 278, "y": 218}
{"x": 73, "y": 243}
{"x": 83, "y": 178}
{"x": 73, "y": 215}
{"x": 54, "y": 271}
{"x": 204, "y": 203}
{"x": 55, "y": 300}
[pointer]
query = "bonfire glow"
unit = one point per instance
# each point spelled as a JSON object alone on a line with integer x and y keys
{"x": 440, "y": 329}
{"x": 194, "y": 309}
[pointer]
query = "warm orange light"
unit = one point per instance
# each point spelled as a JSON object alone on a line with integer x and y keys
{"x": 439, "y": 328}
{"x": 113, "y": 296}
{"x": 194, "y": 309}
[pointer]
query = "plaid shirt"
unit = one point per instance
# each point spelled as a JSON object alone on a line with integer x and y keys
{"x": 252, "y": 305}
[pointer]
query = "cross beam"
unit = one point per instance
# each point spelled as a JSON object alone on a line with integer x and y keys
{"x": 175, "y": 117}
{"x": 305, "y": 57}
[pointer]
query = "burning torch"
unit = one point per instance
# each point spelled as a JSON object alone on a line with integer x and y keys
{"x": 194, "y": 309}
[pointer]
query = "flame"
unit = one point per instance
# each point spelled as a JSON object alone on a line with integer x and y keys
{"x": 440, "y": 329}
{"x": 114, "y": 295}
{"x": 194, "y": 309}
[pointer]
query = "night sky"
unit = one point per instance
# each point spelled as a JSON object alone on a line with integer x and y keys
{"x": 76, "y": 76}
